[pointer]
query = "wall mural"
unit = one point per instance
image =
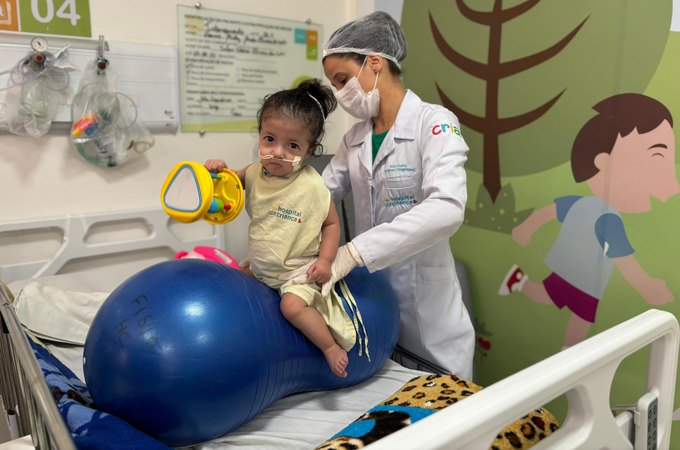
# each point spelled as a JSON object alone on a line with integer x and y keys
{"x": 568, "y": 110}
{"x": 626, "y": 155}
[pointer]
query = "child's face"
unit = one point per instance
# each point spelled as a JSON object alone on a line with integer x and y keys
{"x": 640, "y": 166}
{"x": 283, "y": 140}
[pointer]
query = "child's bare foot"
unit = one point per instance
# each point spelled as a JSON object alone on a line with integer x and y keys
{"x": 337, "y": 360}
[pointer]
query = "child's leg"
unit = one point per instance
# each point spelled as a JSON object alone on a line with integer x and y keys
{"x": 518, "y": 281}
{"x": 577, "y": 330}
{"x": 311, "y": 323}
{"x": 536, "y": 292}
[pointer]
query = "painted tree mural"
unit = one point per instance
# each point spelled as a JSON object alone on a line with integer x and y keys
{"x": 523, "y": 75}
{"x": 491, "y": 125}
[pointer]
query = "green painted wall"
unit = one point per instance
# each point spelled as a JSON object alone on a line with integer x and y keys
{"x": 601, "y": 48}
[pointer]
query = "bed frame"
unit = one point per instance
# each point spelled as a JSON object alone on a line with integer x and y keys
{"x": 96, "y": 239}
{"x": 583, "y": 373}
{"x": 30, "y": 407}
{"x": 50, "y": 246}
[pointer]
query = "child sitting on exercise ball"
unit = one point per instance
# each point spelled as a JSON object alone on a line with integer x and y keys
{"x": 293, "y": 220}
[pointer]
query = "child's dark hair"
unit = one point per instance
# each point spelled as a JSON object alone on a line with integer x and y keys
{"x": 618, "y": 115}
{"x": 310, "y": 103}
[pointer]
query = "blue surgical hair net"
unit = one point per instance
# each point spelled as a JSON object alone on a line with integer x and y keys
{"x": 375, "y": 34}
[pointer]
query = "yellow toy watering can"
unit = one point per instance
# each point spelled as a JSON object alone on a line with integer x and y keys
{"x": 190, "y": 192}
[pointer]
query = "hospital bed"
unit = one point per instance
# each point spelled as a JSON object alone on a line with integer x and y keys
{"x": 96, "y": 252}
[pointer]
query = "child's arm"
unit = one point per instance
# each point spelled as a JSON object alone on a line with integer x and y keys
{"x": 320, "y": 271}
{"x": 522, "y": 233}
{"x": 653, "y": 290}
{"x": 241, "y": 174}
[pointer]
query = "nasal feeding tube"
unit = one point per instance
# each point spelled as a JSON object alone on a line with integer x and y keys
{"x": 296, "y": 161}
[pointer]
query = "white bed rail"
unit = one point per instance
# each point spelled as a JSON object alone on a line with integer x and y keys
{"x": 153, "y": 231}
{"x": 23, "y": 385}
{"x": 583, "y": 372}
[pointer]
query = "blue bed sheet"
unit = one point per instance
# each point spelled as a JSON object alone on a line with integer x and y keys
{"x": 90, "y": 428}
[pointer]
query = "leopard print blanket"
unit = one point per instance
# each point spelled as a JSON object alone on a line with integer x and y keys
{"x": 425, "y": 395}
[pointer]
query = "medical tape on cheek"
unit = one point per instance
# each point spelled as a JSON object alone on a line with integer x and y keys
{"x": 296, "y": 162}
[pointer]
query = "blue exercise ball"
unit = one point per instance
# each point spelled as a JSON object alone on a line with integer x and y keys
{"x": 187, "y": 350}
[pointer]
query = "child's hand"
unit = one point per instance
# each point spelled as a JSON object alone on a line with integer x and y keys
{"x": 320, "y": 271}
{"x": 215, "y": 165}
{"x": 244, "y": 266}
{"x": 656, "y": 292}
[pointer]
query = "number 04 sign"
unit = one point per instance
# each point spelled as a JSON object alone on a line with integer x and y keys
{"x": 66, "y": 17}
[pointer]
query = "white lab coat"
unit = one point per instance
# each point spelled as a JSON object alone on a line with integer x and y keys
{"x": 406, "y": 206}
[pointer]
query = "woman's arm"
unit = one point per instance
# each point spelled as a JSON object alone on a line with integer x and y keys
{"x": 442, "y": 209}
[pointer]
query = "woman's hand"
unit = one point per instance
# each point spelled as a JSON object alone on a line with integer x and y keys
{"x": 347, "y": 259}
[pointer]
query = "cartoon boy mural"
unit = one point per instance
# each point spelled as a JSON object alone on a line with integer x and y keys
{"x": 626, "y": 154}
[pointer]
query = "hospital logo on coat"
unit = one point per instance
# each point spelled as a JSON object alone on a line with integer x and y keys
{"x": 445, "y": 128}
{"x": 401, "y": 200}
{"x": 290, "y": 215}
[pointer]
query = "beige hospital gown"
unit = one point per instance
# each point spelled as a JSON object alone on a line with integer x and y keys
{"x": 286, "y": 215}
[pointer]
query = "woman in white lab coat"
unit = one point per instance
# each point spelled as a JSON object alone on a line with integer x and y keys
{"x": 404, "y": 164}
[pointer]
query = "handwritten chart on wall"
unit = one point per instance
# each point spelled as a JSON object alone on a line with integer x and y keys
{"x": 228, "y": 62}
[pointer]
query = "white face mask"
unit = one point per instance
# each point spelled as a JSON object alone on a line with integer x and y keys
{"x": 357, "y": 102}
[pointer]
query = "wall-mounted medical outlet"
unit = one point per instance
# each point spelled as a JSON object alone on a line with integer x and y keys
{"x": 147, "y": 73}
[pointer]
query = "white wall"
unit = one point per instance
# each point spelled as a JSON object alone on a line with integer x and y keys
{"x": 46, "y": 177}
{"x": 393, "y": 7}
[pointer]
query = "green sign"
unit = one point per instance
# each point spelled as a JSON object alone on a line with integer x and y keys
{"x": 65, "y": 17}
